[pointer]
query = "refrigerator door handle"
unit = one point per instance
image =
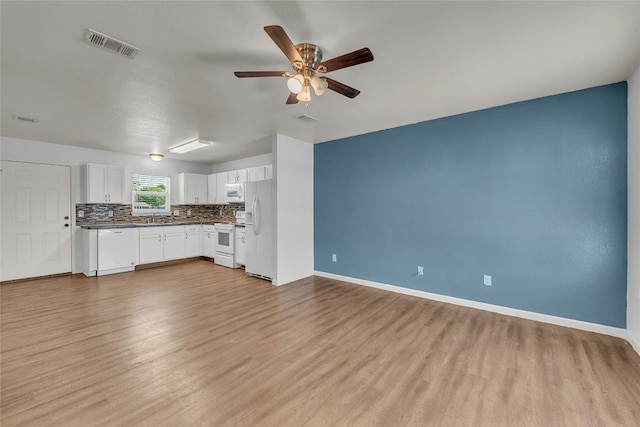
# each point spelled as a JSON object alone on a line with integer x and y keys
{"x": 256, "y": 213}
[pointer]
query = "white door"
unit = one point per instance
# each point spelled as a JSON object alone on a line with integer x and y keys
{"x": 35, "y": 229}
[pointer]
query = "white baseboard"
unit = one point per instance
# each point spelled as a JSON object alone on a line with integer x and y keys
{"x": 634, "y": 343}
{"x": 530, "y": 315}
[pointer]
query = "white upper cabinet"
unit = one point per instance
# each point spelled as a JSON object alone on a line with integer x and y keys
{"x": 217, "y": 190}
{"x": 236, "y": 176}
{"x": 255, "y": 174}
{"x": 192, "y": 189}
{"x": 212, "y": 188}
{"x": 105, "y": 183}
{"x": 259, "y": 173}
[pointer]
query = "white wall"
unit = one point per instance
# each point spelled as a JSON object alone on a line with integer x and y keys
{"x": 248, "y": 162}
{"x": 293, "y": 172}
{"x": 633, "y": 256}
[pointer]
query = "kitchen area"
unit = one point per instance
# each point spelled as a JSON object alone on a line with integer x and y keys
{"x": 60, "y": 228}
{"x": 226, "y": 218}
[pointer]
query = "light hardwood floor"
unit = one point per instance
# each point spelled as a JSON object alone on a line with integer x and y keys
{"x": 197, "y": 344}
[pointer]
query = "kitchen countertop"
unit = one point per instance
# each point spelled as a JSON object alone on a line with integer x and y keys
{"x": 105, "y": 225}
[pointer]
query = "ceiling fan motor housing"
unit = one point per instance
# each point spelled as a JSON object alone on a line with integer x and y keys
{"x": 311, "y": 58}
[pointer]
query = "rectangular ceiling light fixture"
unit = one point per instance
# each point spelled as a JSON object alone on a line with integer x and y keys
{"x": 190, "y": 146}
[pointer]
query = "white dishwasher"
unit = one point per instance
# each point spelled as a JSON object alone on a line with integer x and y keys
{"x": 117, "y": 250}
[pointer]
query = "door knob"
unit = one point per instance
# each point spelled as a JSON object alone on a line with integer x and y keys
{"x": 66, "y": 225}
{"x": 66, "y": 217}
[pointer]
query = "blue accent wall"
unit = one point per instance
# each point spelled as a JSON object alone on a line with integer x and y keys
{"x": 532, "y": 193}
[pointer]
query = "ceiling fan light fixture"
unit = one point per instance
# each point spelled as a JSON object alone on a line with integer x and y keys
{"x": 295, "y": 83}
{"x": 156, "y": 157}
{"x": 305, "y": 94}
{"x": 319, "y": 85}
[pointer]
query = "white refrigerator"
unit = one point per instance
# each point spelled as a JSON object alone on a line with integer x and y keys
{"x": 260, "y": 249}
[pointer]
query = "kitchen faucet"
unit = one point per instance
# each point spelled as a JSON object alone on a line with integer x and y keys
{"x": 154, "y": 216}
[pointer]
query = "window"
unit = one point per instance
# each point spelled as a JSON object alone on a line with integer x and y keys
{"x": 150, "y": 194}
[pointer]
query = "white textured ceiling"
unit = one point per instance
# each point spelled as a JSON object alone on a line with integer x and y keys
{"x": 432, "y": 59}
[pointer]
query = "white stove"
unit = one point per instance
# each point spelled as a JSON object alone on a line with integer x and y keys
{"x": 225, "y": 245}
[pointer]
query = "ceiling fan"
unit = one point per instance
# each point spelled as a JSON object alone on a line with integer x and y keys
{"x": 306, "y": 60}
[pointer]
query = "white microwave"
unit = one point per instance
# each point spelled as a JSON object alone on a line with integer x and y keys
{"x": 235, "y": 193}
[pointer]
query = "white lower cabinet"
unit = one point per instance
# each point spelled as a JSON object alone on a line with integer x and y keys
{"x": 151, "y": 245}
{"x": 241, "y": 245}
{"x": 193, "y": 245}
{"x": 209, "y": 241}
{"x": 154, "y": 244}
{"x": 163, "y": 243}
{"x": 175, "y": 242}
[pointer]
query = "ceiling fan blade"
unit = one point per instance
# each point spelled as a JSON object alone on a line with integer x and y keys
{"x": 292, "y": 99}
{"x": 262, "y": 73}
{"x": 342, "y": 88}
{"x": 348, "y": 60}
{"x": 280, "y": 37}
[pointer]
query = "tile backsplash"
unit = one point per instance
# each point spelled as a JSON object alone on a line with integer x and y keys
{"x": 99, "y": 213}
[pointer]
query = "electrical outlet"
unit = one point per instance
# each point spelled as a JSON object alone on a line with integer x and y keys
{"x": 334, "y": 258}
{"x": 487, "y": 280}
{"x": 110, "y": 214}
{"x": 188, "y": 212}
{"x": 176, "y": 212}
{"x": 420, "y": 270}
{"x": 80, "y": 214}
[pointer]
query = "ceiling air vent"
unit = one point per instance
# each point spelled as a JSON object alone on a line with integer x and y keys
{"x": 306, "y": 118}
{"x": 25, "y": 119}
{"x": 109, "y": 43}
